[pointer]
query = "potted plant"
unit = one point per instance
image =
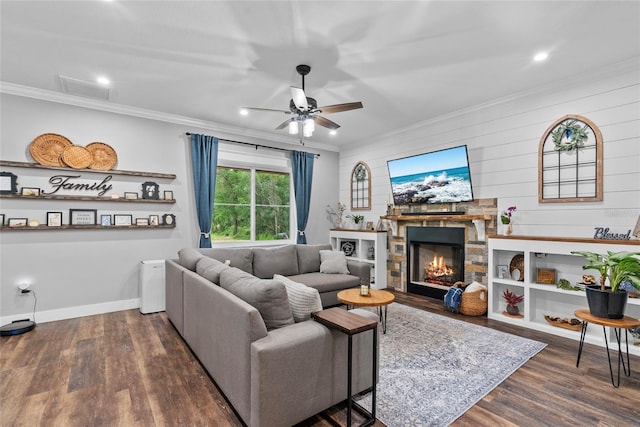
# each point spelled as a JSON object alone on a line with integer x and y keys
{"x": 357, "y": 219}
{"x": 618, "y": 267}
{"x": 512, "y": 302}
{"x": 505, "y": 218}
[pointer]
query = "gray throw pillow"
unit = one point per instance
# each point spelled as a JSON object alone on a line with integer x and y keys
{"x": 303, "y": 299}
{"x": 279, "y": 260}
{"x": 333, "y": 262}
{"x": 210, "y": 269}
{"x": 269, "y": 297}
{"x": 189, "y": 257}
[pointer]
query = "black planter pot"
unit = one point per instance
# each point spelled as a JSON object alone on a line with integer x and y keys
{"x": 606, "y": 304}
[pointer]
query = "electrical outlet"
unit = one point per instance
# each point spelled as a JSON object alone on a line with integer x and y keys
{"x": 24, "y": 288}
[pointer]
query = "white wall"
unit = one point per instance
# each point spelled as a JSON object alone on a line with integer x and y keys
{"x": 84, "y": 272}
{"x": 503, "y": 140}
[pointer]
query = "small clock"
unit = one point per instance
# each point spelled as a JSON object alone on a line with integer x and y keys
{"x": 169, "y": 219}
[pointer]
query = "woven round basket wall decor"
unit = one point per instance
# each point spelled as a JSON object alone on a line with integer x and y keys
{"x": 104, "y": 157}
{"x": 77, "y": 157}
{"x": 516, "y": 267}
{"x": 47, "y": 149}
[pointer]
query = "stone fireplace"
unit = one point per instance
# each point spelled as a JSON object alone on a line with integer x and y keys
{"x": 428, "y": 236}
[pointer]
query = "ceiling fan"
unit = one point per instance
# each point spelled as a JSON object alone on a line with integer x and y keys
{"x": 305, "y": 110}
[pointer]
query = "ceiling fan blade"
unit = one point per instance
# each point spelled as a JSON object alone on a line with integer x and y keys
{"x": 284, "y": 124}
{"x": 337, "y": 108}
{"x": 299, "y": 98}
{"x": 326, "y": 123}
{"x": 267, "y": 109}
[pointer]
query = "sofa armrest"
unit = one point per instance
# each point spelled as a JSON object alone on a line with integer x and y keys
{"x": 360, "y": 269}
{"x": 173, "y": 294}
{"x": 312, "y": 360}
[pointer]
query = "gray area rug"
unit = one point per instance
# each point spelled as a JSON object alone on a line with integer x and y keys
{"x": 433, "y": 368}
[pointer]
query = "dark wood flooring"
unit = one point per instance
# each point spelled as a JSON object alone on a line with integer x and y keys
{"x": 129, "y": 369}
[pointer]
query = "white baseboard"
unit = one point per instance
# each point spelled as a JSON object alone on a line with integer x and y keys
{"x": 73, "y": 312}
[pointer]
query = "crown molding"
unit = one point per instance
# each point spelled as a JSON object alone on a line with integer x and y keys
{"x": 110, "y": 107}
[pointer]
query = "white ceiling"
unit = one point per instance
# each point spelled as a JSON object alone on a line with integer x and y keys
{"x": 407, "y": 61}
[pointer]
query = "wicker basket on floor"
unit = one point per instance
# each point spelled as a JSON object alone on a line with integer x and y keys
{"x": 473, "y": 303}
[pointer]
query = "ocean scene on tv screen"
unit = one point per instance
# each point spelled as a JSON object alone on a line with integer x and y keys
{"x": 437, "y": 177}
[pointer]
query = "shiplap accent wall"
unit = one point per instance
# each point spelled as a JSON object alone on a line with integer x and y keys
{"x": 503, "y": 139}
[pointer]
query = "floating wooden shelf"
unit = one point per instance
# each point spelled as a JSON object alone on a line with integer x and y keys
{"x": 567, "y": 239}
{"x": 8, "y": 163}
{"x": 84, "y": 198}
{"x": 85, "y": 227}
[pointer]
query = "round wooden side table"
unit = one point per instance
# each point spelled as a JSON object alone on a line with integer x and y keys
{"x": 376, "y": 298}
{"x": 625, "y": 323}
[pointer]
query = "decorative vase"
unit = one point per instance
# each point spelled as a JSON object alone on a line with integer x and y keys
{"x": 513, "y": 310}
{"x": 606, "y": 304}
{"x": 508, "y": 229}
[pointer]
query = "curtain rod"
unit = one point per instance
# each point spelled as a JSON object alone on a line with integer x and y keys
{"x": 255, "y": 145}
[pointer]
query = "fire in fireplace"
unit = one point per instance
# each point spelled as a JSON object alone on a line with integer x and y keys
{"x": 435, "y": 259}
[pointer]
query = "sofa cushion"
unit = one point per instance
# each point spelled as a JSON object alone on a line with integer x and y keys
{"x": 309, "y": 257}
{"x": 327, "y": 282}
{"x": 241, "y": 258}
{"x": 279, "y": 260}
{"x": 269, "y": 297}
{"x": 210, "y": 269}
{"x": 303, "y": 300}
{"x": 333, "y": 262}
{"x": 189, "y": 257}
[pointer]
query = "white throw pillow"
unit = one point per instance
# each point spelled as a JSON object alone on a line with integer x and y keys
{"x": 303, "y": 299}
{"x": 333, "y": 262}
{"x": 475, "y": 286}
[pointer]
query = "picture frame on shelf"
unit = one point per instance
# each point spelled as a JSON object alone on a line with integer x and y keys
{"x": 83, "y": 216}
{"x": 18, "y": 222}
{"x": 130, "y": 195}
{"x": 150, "y": 190}
{"x": 349, "y": 247}
{"x": 122, "y": 220}
{"x": 503, "y": 272}
{"x": 8, "y": 183}
{"x": 30, "y": 191}
{"x": 169, "y": 219}
{"x": 168, "y": 195}
{"x": 142, "y": 221}
{"x": 54, "y": 219}
{"x": 105, "y": 220}
{"x": 368, "y": 225}
{"x": 154, "y": 220}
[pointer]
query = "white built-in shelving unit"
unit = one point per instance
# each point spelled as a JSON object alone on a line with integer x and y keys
{"x": 546, "y": 299}
{"x": 367, "y": 246}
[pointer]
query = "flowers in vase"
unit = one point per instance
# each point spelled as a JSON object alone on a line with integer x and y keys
{"x": 506, "y": 215}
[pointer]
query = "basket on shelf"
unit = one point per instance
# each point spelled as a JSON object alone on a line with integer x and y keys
{"x": 473, "y": 303}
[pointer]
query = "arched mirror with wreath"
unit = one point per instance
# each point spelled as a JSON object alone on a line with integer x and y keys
{"x": 360, "y": 187}
{"x": 570, "y": 161}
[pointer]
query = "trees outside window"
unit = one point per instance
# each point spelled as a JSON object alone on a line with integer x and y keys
{"x": 251, "y": 204}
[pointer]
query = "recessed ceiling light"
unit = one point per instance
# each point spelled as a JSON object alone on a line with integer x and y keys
{"x": 333, "y": 132}
{"x": 540, "y": 56}
{"x": 244, "y": 112}
{"x": 103, "y": 80}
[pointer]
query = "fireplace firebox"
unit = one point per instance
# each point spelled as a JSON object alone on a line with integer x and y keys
{"x": 435, "y": 259}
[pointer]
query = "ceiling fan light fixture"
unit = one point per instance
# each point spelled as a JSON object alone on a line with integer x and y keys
{"x": 293, "y": 127}
{"x": 308, "y": 127}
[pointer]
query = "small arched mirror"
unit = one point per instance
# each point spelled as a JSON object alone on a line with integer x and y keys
{"x": 360, "y": 187}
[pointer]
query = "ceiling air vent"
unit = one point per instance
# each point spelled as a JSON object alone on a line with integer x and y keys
{"x": 83, "y": 88}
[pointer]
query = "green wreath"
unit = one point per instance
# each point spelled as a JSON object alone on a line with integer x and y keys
{"x": 570, "y": 129}
{"x": 360, "y": 173}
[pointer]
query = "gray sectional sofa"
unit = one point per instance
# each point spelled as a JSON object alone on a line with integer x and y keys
{"x": 238, "y": 322}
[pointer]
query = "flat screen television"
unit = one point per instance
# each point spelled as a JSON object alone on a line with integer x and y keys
{"x": 436, "y": 177}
